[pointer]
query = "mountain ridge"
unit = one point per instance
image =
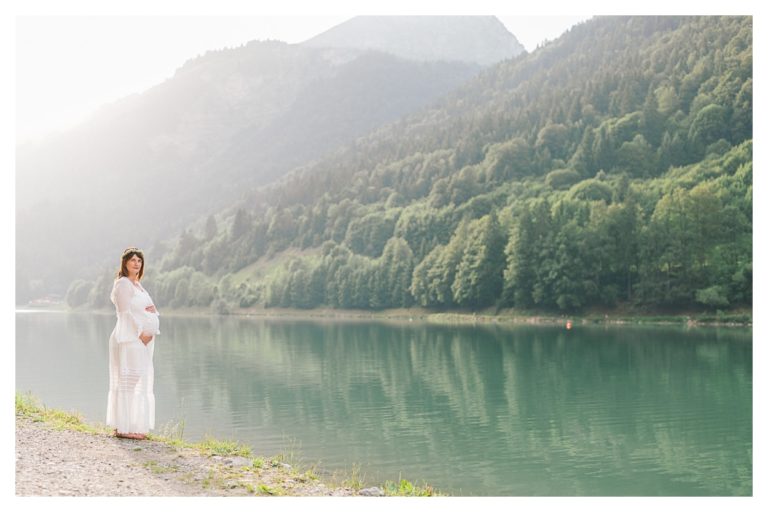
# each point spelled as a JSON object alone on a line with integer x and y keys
{"x": 237, "y": 117}
{"x": 425, "y": 38}
{"x": 610, "y": 168}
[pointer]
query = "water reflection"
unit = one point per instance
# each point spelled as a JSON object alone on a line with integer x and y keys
{"x": 474, "y": 410}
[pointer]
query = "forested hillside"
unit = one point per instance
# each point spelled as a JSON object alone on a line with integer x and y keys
{"x": 227, "y": 121}
{"x": 612, "y": 167}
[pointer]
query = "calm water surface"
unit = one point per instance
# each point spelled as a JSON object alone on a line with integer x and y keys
{"x": 471, "y": 410}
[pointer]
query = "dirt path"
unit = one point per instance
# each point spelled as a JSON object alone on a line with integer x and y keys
{"x": 52, "y": 462}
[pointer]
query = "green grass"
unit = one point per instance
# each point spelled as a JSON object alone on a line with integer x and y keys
{"x": 173, "y": 430}
{"x": 270, "y": 491}
{"x": 224, "y": 448}
{"x": 355, "y": 480}
{"x": 28, "y": 406}
{"x": 160, "y": 469}
{"x": 264, "y": 269}
{"x": 173, "y": 434}
{"x": 406, "y": 488}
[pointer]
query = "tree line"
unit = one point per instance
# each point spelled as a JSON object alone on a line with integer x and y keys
{"x": 611, "y": 167}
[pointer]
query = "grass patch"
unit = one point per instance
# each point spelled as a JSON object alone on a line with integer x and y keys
{"x": 355, "y": 480}
{"x": 171, "y": 432}
{"x": 266, "y": 267}
{"x": 267, "y": 490}
{"x": 224, "y": 448}
{"x": 27, "y": 406}
{"x": 310, "y": 474}
{"x": 208, "y": 480}
{"x": 289, "y": 453}
{"x": 159, "y": 469}
{"x": 406, "y": 488}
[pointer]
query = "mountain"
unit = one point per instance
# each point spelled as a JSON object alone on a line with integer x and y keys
{"x": 145, "y": 166}
{"x": 480, "y": 39}
{"x": 609, "y": 168}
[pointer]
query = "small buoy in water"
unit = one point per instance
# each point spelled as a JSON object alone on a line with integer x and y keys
{"x": 568, "y": 324}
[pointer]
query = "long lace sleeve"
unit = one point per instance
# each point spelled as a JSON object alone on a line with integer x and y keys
{"x": 127, "y": 328}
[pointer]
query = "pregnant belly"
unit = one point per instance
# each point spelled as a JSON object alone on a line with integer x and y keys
{"x": 150, "y": 323}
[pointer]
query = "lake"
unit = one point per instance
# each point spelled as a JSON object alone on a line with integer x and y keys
{"x": 471, "y": 410}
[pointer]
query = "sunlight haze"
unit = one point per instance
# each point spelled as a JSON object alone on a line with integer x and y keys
{"x": 66, "y": 67}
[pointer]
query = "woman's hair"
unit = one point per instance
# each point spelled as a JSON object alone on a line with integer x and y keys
{"x": 127, "y": 255}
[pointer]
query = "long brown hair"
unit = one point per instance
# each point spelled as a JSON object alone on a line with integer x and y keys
{"x": 127, "y": 255}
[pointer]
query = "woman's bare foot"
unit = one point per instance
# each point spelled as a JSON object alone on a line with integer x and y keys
{"x": 138, "y": 437}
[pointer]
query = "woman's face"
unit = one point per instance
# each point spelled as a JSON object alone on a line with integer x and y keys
{"x": 133, "y": 265}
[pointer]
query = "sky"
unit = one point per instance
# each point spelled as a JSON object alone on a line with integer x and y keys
{"x": 71, "y": 57}
{"x": 67, "y": 66}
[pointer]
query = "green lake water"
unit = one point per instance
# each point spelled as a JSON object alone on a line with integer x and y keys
{"x": 512, "y": 411}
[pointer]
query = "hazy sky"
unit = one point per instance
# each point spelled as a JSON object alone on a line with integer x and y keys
{"x": 71, "y": 57}
{"x": 66, "y": 66}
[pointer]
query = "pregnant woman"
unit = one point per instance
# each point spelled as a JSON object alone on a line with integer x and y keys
{"x": 131, "y": 400}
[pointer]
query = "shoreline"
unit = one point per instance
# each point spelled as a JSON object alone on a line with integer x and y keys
{"x": 58, "y": 454}
{"x": 506, "y": 317}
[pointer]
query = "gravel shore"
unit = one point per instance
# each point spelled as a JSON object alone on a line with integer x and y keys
{"x": 62, "y": 462}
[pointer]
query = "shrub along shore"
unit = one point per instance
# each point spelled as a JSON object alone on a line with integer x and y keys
{"x": 508, "y": 317}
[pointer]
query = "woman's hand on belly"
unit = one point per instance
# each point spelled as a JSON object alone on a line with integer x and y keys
{"x": 145, "y": 338}
{"x": 151, "y": 308}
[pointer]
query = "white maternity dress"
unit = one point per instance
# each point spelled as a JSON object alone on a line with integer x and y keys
{"x": 131, "y": 400}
